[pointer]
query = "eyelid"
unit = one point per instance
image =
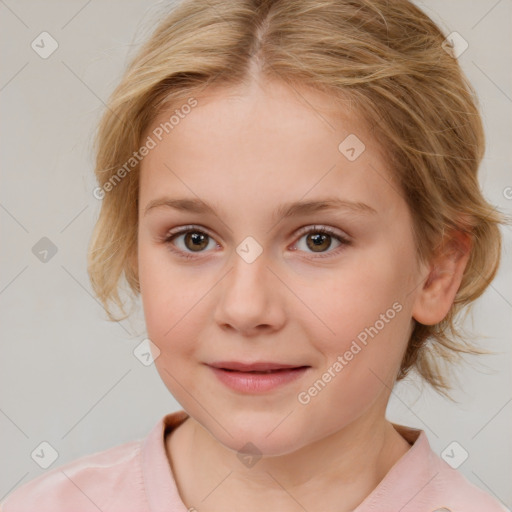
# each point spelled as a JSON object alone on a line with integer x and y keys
{"x": 323, "y": 228}
{"x": 184, "y": 229}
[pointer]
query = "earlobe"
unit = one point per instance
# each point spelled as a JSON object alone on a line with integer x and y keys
{"x": 446, "y": 269}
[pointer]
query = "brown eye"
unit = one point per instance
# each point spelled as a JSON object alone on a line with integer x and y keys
{"x": 195, "y": 240}
{"x": 188, "y": 241}
{"x": 320, "y": 239}
{"x": 318, "y": 242}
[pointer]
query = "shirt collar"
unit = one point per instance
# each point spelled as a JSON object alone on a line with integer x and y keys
{"x": 161, "y": 491}
{"x": 407, "y": 477}
{"x": 410, "y": 474}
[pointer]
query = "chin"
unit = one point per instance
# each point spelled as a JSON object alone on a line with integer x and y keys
{"x": 259, "y": 436}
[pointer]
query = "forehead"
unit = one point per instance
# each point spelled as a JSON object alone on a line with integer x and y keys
{"x": 265, "y": 109}
{"x": 268, "y": 141}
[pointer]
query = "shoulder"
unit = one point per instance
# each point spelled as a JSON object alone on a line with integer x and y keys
{"x": 422, "y": 481}
{"x": 456, "y": 493}
{"x": 107, "y": 480}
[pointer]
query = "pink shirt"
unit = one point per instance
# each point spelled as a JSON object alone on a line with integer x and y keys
{"x": 137, "y": 477}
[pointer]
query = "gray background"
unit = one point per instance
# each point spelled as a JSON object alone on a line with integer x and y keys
{"x": 69, "y": 377}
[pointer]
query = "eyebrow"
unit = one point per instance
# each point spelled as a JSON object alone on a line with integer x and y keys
{"x": 283, "y": 211}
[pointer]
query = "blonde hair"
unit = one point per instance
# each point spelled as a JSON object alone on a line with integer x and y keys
{"x": 386, "y": 57}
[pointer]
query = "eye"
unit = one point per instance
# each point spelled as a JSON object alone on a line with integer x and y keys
{"x": 319, "y": 239}
{"x": 189, "y": 240}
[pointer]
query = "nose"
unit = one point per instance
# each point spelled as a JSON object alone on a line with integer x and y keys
{"x": 251, "y": 297}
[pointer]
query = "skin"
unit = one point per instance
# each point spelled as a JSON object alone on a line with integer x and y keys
{"x": 245, "y": 151}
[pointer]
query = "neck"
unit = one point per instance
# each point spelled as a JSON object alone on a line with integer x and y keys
{"x": 334, "y": 473}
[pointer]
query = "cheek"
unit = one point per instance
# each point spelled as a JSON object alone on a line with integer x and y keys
{"x": 168, "y": 310}
{"x": 170, "y": 297}
{"x": 164, "y": 285}
{"x": 367, "y": 312}
{"x": 356, "y": 296}
{"x": 366, "y": 307}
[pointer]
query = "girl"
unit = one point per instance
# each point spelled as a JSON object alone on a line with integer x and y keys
{"x": 291, "y": 187}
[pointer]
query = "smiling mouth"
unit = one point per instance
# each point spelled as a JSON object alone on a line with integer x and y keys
{"x": 263, "y": 372}
{"x": 257, "y": 367}
{"x": 258, "y": 377}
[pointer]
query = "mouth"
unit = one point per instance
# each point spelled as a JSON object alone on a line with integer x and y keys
{"x": 256, "y": 367}
{"x": 259, "y": 377}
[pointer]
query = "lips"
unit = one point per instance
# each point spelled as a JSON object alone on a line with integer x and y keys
{"x": 256, "y": 367}
{"x": 257, "y": 377}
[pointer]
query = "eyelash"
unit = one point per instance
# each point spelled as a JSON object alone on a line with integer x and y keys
{"x": 171, "y": 235}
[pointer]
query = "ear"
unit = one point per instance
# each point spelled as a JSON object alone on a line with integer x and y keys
{"x": 445, "y": 271}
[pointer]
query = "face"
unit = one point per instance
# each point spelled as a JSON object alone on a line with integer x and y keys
{"x": 327, "y": 287}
